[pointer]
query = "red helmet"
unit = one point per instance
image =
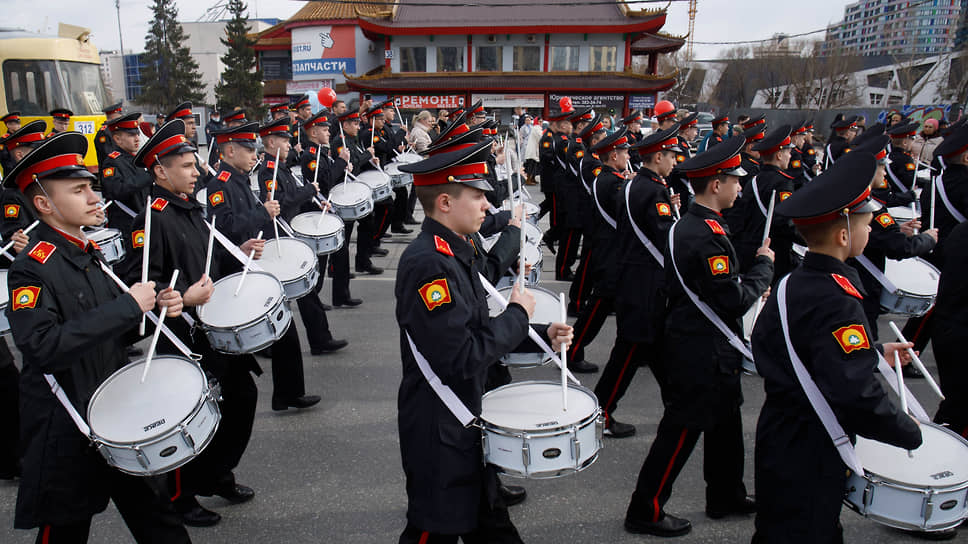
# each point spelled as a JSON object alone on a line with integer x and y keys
{"x": 664, "y": 109}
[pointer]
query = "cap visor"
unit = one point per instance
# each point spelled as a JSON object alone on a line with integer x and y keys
{"x": 738, "y": 171}
{"x": 868, "y": 206}
{"x": 674, "y": 148}
{"x": 478, "y": 184}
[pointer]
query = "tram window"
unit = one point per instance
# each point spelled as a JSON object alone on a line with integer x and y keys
{"x": 34, "y": 87}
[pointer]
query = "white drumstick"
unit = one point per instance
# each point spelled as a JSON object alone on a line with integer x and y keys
{"x": 934, "y": 198}
{"x": 521, "y": 253}
{"x": 209, "y": 166}
{"x": 144, "y": 257}
{"x": 917, "y": 361}
{"x": 272, "y": 196}
{"x": 154, "y": 338}
{"x": 316, "y": 170}
{"x": 769, "y": 217}
{"x": 211, "y": 245}
{"x": 245, "y": 268}
{"x": 564, "y": 357}
{"x": 914, "y": 214}
{"x": 901, "y": 393}
{"x": 29, "y": 228}
{"x": 675, "y": 207}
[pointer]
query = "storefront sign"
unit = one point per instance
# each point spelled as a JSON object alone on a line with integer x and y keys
{"x": 417, "y": 102}
{"x": 311, "y": 86}
{"x": 641, "y": 101}
{"x": 323, "y": 50}
{"x": 510, "y": 100}
{"x": 601, "y": 103}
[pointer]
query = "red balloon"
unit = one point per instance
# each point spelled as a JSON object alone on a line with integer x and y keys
{"x": 326, "y": 96}
{"x": 565, "y": 103}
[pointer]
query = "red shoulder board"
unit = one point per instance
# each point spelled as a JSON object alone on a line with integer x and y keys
{"x": 224, "y": 175}
{"x": 885, "y": 219}
{"x": 784, "y": 174}
{"x": 563, "y": 137}
{"x": 159, "y": 204}
{"x": 578, "y": 140}
{"x": 114, "y": 154}
{"x": 715, "y": 227}
{"x": 270, "y": 164}
{"x": 312, "y": 150}
{"x": 845, "y": 284}
{"x": 442, "y": 246}
{"x": 42, "y": 251}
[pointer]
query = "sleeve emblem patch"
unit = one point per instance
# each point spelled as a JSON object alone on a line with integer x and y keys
{"x": 885, "y": 220}
{"x": 442, "y": 246}
{"x": 42, "y": 251}
{"x": 270, "y": 184}
{"x": 795, "y": 164}
{"x": 138, "y": 239}
{"x": 719, "y": 265}
{"x": 224, "y": 175}
{"x": 852, "y": 338}
{"x": 545, "y": 144}
{"x": 663, "y": 208}
{"x": 159, "y": 204}
{"x": 784, "y": 195}
{"x": 910, "y": 166}
{"x": 715, "y": 227}
{"x": 216, "y": 198}
{"x": 811, "y": 151}
{"x": 11, "y": 211}
{"x": 312, "y": 165}
{"x": 848, "y": 287}
{"x": 108, "y": 172}
{"x": 24, "y": 297}
{"x": 579, "y": 154}
{"x": 435, "y": 293}
{"x": 596, "y": 172}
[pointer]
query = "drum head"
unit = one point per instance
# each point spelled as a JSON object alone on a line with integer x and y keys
{"x": 546, "y": 310}
{"x": 536, "y": 406}
{"x": 408, "y": 158}
{"x": 392, "y": 169}
{"x": 202, "y": 196}
{"x": 102, "y": 236}
{"x": 297, "y": 258}
{"x": 941, "y": 461}
{"x": 532, "y": 254}
{"x": 260, "y": 292}
{"x": 374, "y": 179}
{"x": 531, "y": 208}
{"x": 914, "y": 276}
{"x": 532, "y": 233}
{"x": 349, "y": 193}
{"x": 4, "y": 292}
{"x": 306, "y": 223}
{"x": 125, "y": 410}
{"x": 901, "y": 213}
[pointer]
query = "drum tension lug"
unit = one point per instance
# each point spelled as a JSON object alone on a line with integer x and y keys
{"x": 187, "y": 438}
{"x": 526, "y": 452}
{"x": 575, "y": 447}
{"x": 106, "y": 453}
{"x": 142, "y": 458}
{"x": 927, "y": 507}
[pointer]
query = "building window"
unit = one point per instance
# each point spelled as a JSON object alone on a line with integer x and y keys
{"x": 564, "y": 58}
{"x": 450, "y": 59}
{"x": 490, "y": 59}
{"x": 602, "y": 58}
{"x": 527, "y": 58}
{"x": 413, "y": 59}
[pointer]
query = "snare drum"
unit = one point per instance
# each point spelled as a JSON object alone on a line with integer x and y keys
{"x": 202, "y": 198}
{"x": 903, "y": 214}
{"x": 924, "y": 492}
{"x": 532, "y": 234}
{"x": 547, "y": 309}
{"x": 156, "y": 426}
{"x": 351, "y": 200}
{"x": 325, "y": 238}
{"x": 532, "y": 256}
{"x": 297, "y": 268}
{"x": 4, "y": 302}
{"x": 408, "y": 158}
{"x": 531, "y": 211}
{"x": 917, "y": 286}
{"x": 249, "y": 322}
{"x": 378, "y": 182}
{"x": 397, "y": 178}
{"x": 526, "y": 432}
{"x": 109, "y": 241}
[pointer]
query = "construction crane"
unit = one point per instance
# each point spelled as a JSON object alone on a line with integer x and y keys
{"x": 215, "y": 13}
{"x": 692, "y": 27}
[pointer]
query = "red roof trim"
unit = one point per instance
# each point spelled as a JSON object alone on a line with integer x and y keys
{"x": 371, "y": 27}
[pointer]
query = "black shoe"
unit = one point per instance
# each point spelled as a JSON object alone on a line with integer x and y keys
{"x": 236, "y": 493}
{"x": 668, "y": 525}
{"x": 11, "y": 472}
{"x": 265, "y": 352}
{"x": 912, "y": 372}
{"x": 582, "y": 367}
{"x": 304, "y": 401}
{"x": 196, "y": 515}
{"x": 568, "y": 275}
{"x": 350, "y": 302}
{"x": 133, "y": 352}
{"x": 550, "y": 242}
{"x": 327, "y": 307}
{"x": 400, "y": 229}
{"x": 512, "y": 494}
{"x": 330, "y": 346}
{"x": 371, "y": 270}
{"x": 379, "y": 252}
{"x": 386, "y": 235}
{"x": 617, "y": 429}
{"x": 410, "y": 221}
{"x": 742, "y": 506}
{"x": 351, "y": 276}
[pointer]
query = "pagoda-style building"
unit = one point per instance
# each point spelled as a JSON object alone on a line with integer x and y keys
{"x": 431, "y": 54}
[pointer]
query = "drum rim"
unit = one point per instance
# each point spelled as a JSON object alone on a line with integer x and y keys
{"x": 532, "y": 287}
{"x": 544, "y": 431}
{"x": 549, "y": 474}
{"x": 349, "y": 186}
{"x": 152, "y": 438}
{"x": 282, "y": 299}
{"x": 292, "y": 223}
{"x": 914, "y": 487}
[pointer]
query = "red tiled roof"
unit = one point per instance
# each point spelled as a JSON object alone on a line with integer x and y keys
{"x": 513, "y": 81}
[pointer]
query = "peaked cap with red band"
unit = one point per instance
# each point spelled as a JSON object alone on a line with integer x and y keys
{"x": 690, "y": 120}
{"x": 60, "y": 156}
{"x": 11, "y": 117}
{"x": 244, "y": 135}
{"x": 279, "y": 127}
{"x": 582, "y": 115}
{"x": 560, "y": 115}
{"x": 595, "y": 126}
{"x": 845, "y": 123}
{"x": 113, "y": 108}
{"x": 61, "y": 113}
{"x": 300, "y": 102}
{"x": 722, "y": 158}
{"x": 349, "y": 116}
{"x": 28, "y": 135}
{"x": 476, "y": 109}
{"x": 777, "y": 139}
{"x": 128, "y": 123}
{"x": 181, "y": 111}
{"x": 465, "y": 166}
{"x": 320, "y": 119}
{"x": 722, "y": 118}
{"x": 663, "y": 140}
{"x": 278, "y": 108}
{"x": 955, "y": 143}
{"x": 842, "y": 189}
{"x": 904, "y": 130}
{"x": 616, "y": 140}
{"x": 877, "y": 146}
{"x": 754, "y": 133}
{"x": 234, "y": 116}
{"x": 168, "y": 140}
{"x": 377, "y": 110}
{"x": 635, "y": 116}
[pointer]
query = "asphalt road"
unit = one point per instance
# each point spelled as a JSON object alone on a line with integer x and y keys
{"x": 332, "y": 473}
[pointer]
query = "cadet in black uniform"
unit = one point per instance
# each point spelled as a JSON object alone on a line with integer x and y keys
{"x": 633, "y": 122}
{"x": 795, "y": 168}
{"x": 240, "y": 215}
{"x": 103, "y": 144}
{"x": 303, "y": 111}
{"x": 121, "y": 181}
{"x": 559, "y": 127}
{"x": 567, "y": 202}
{"x": 61, "y": 120}
{"x": 179, "y": 241}
{"x": 842, "y": 132}
{"x": 589, "y": 166}
{"x": 18, "y": 214}
{"x": 800, "y": 477}
{"x": 702, "y": 392}
{"x": 644, "y": 214}
{"x": 902, "y": 168}
{"x": 183, "y": 112}
{"x": 949, "y": 333}
{"x": 808, "y": 152}
{"x": 71, "y": 321}
{"x": 441, "y": 307}
{"x": 951, "y": 201}
{"x": 296, "y": 197}
{"x": 378, "y": 137}
{"x": 720, "y": 131}
{"x": 230, "y": 119}
{"x": 360, "y": 160}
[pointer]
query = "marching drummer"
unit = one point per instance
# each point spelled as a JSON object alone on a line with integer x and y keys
{"x": 441, "y": 306}
{"x": 800, "y": 477}
{"x": 183, "y": 111}
{"x": 17, "y": 213}
{"x": 71, "y": 321}
{"x": 122, "y": 181}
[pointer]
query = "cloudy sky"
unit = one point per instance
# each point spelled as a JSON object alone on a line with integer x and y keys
{"x": 716, "y": 21}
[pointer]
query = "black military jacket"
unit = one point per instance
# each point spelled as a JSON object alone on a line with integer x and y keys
{"x": 17, "y": 213}
{"x": 126, "y": 183}
{"x": 900, "y": 179}
{"x": 606, "y": 195}
{"x": 677, "y": 180}
{"x": 640, "y": 282}
{"x": 955, "y": 180}
{"x": 441, "y": 304}
{"x": 330, "y": 169}
{"x": 293, "y": 198}
{"x": 359, "y": 156}
{"x": 835, "y": 148}
{"x": 782, "y": 233}
{"x": 239, "y": 214}
{"x": 103, "y": 145}
{"x": 70, "y": 320}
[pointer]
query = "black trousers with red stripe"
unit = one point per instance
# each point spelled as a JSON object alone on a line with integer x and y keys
{"x": 9, "y": 410}
{"x": 949, "y": 353}
{"x": 339, "y": 267}
{"x": 918, "y": 330}
{"x": 569, "y": 242}
{"x": 382, "y": 212}
{"x": 590, "y": 321}
{"x": 625, "y": 359}
{"x": 147, "y": 513}
{"x": 581, "y": 286}
{"x": 722, "y": 464}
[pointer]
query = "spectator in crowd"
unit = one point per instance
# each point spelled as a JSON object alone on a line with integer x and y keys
{"x": 927, "y": 140}
{"x": 420, "y": 131}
